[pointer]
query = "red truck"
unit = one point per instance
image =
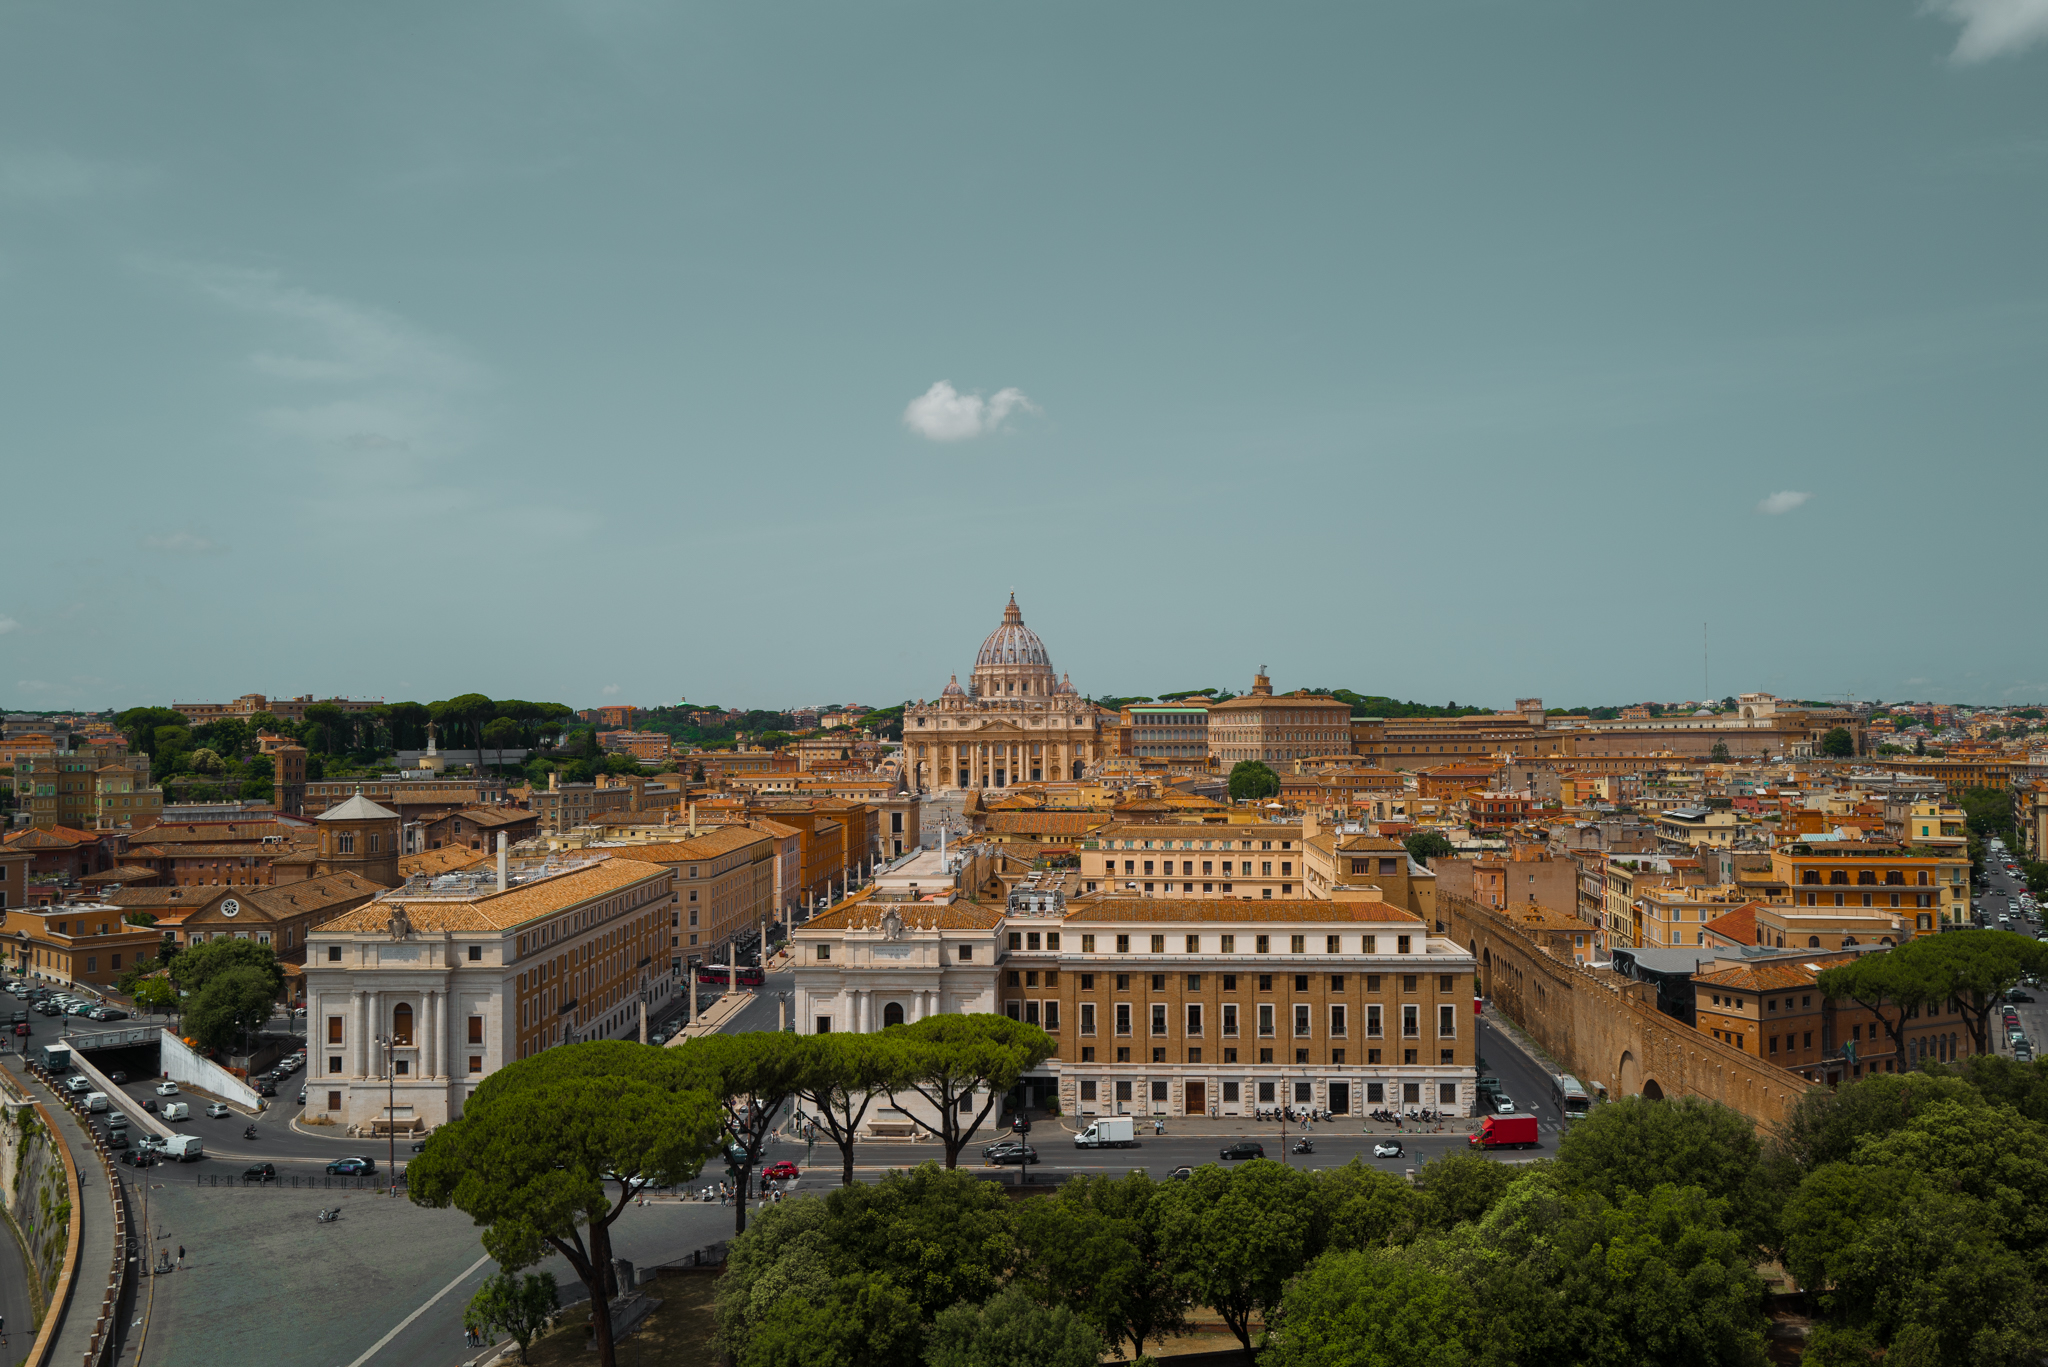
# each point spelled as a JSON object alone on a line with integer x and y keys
{"x": 1505, "y": 1132}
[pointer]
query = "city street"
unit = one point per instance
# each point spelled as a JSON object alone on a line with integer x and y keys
{"x": 2001, "y": 898}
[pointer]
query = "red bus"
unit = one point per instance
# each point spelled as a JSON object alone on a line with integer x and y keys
{"x": 719, "y": 975}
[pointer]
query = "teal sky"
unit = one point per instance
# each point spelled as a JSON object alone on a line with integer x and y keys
{"x": 626, "y": 351}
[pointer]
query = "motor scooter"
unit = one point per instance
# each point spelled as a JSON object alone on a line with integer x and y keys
{"x": 1303, "y": 1145}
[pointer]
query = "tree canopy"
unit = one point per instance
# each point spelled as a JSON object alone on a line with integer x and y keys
{"x": 548, "y": 1148}
{"x": 1838, "y": 743}
{"x": 1423, "y": 846}
{"x": 1251, "y": 780}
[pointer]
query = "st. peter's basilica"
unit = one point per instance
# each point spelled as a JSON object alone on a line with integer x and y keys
{"x": 1017, "y": 721}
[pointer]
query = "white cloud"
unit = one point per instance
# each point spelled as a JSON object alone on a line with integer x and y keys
{"x": 1784, "y": 501}
{"x": 8, "y": 624}
{"x": 1993, "y": 28}
{"x": 182, "y": 543}
{"x": 610, "y": 689}
{"x": 943, "y": 413}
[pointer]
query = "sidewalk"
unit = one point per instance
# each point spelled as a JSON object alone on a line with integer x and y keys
{"x": 95, "y": 1227}
{"x": 715, "y": 1016}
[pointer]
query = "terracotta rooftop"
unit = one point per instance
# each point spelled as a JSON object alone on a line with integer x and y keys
{"x": 447, "y": 859}
{"x": 1044, "y": 823}
{"x": 498, "y": 911}
{"x": 709, "y": 845}
{"x": 1770, "y": 976}
{"x": 1738, "y": 925}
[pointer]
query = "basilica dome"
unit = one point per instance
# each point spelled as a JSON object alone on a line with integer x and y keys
{"x": 1013, "y": 662}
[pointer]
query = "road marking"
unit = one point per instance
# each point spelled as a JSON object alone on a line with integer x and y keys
{"x": 399, "y": 1328}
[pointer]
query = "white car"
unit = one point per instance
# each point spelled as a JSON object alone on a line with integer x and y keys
{"x": 1387, "y": 1148}
{"x": 167, "y": 1088}
{"x": 1504, "y": 1106}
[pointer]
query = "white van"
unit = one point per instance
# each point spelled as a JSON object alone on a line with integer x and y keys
{"x": 184, "y": 1148}
{"x": 96, "y": 1101}
{"x": 1110, "y": 1132}
{"x": 175, "y": 1110}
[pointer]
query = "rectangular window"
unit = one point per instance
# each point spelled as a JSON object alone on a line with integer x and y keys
{"x": 334, "y": 1063}
{"x": 1337, "y": 1029}
{"x": 1259, "y": 944}
{"x": 1447, "y": 1022}
{"x": 1194, "y": 1018}
{"x": 1372, "y": 946}
{"x": 1158, "y": 1018}
{"x": 476, "y": 1063}
{"x": 1194, "y": 943}
{"x": 1265, "y": 1018}
{"x": 967, "y": 954}
{"x": 1123, "y": 1018}
{"x": 1087, "y": 944}
{"x": 1301, "y": 1019}
{"x": 824, "y": 952}
{"x": 1372, "y": 1020}
{"x": 334, "y": 1101}
{"x": 1401, "y": 944}
{"x": 476, "y": 1029}
{"x": 1295, "y": 943}
{"x": 1194, "y": 982}
{"x": 1158, "y": 944}
{"x": 1229, "y": 945}
{"x": 1052, "y": 1017}
{"x": 1411, "y": 1022}
{"x": 1087, "y": 1091}
{"x": 1230, "y": 1018}
{"x": 1123, "y": 944}
{"x": 334, "y": 1029}
{"x": 1087, "y": 1018}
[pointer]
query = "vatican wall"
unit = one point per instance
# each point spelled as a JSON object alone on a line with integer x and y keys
{"x": 1598, "y": 1029}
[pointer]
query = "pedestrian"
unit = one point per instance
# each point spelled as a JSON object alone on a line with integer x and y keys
{"x": 181, "y": 1255}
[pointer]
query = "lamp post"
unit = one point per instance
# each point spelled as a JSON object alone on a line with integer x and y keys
{"x": 390, "y": 1112}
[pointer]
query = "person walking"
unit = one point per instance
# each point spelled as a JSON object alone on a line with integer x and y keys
{"x": 181, "y": 1257}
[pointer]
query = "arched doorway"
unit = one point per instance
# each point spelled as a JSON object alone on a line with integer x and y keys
{"x": 401, "y": 1024}
{"x": 1626, "y": 1078}
{"x": 892, "y": 1014}
{"x": 1652, "y": 1092}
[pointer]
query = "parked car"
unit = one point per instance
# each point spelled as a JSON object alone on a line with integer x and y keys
{"x": 259, "y": 1172}
{"x": 1243, "y": 1149}
{"x": 785, "y": 1171}
{"x": 218, "y": 1110}
{"x": 302, "y": 1096}
{"x": 140, "y": 1157}
{"x": 167, "y": 1088}
{"x": 2018, "y": 997}
{"x": 150, "y": 1141}
{"x": 265, "y": 1089}
{"x": 109, "y": 1013}
{"x": 1388, "y": 1148}
{"x": 1504, "y": 1106}
{"x": 1018, "y": 1152}
{"x": 352, "y": 1167}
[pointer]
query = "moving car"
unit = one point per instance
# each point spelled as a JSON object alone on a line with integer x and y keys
{"x": 76, "y": 1085}
{"x": 352, "y": 1167}
{"x": 1180, "y": 1174}
{"x": 218, "y": 1110}
{"x": 785, "y": 1171}
{"x": 1010, "y": 1151}
{"x": 1111, "y": 1131}
{"x": 183, "y": 1148}
{"x": 167, "y": 1088}
{"x": 259, "y": 1172}
{"x": 1388, "y": 1148}
{"x": 1504, "y": 1106}
{"x": 108, "y": 1013}
{"x": 1243, "y": 1149}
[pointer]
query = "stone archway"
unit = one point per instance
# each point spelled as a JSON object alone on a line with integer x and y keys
{"x": 1651, "y": 1091}
{"x": 1626, "y": 1075}
{"x": 892, "y": 1014}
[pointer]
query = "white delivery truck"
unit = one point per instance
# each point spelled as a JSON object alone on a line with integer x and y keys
{"x": 175, "y": 1110}
{"x": 1110, "y": 1132}
{"x": 183, "y": 1148}
{"x": 95, "y": 1101}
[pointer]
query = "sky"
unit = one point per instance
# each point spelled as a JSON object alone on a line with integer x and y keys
{"x": 604, "y": 351}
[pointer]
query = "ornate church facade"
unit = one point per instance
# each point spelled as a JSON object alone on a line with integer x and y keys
{"x": 1017, "y": 721}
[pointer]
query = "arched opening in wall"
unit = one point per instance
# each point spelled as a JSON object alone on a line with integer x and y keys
{"x": 892, "y": 1014}
{"x": 1652, "y": 1092}
{"x": 401, "y": 1024}
{"x": 1077, "y": 771}
{"x": 1626, "y": 1076}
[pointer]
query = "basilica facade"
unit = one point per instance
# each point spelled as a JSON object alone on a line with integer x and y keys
{"x": 1016, "y": 721}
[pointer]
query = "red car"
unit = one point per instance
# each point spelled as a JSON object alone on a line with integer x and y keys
{"x": 784, "y": 1171}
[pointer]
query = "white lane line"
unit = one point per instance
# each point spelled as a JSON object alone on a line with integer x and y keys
{"x": 399, "y": 1328}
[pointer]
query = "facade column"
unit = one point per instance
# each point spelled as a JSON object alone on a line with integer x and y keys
{"x": 363, "y": 1046}
{"x": 435, "y": 1046}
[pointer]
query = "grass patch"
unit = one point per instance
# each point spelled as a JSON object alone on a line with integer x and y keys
{"x": 679, "y": 1334}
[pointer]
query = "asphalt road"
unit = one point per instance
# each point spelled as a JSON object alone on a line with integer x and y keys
{"x": 2001, "y": 897}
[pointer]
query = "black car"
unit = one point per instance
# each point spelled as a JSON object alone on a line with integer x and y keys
{"x": 259, "y": 1172}
{"x": 117, "y": 1138}
{"x": 1021, "y": 1154}
{"x": 2018, "y": 997}
{"x": 265, "y": 1089}
{"x": 139, "y": 1158}
{"x": 1246, "y": 1149}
